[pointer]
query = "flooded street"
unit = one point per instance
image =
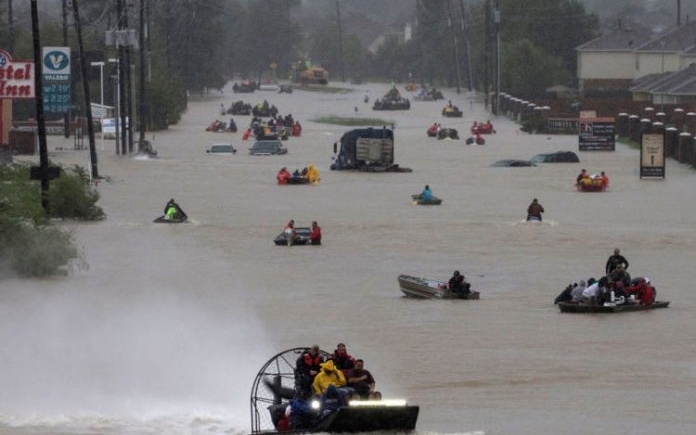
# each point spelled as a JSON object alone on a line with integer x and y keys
{"x": 161, "y": 328}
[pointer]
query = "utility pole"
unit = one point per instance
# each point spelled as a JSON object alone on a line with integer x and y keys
{"x": 678, "y": 13}
{"x": 121, "y": 65}
{"x": 10, "y": 25}
{"x": 340, "y": 41}
{"x": 468, "y": 46}
{"x": 496, "y": 15}
{"x": 454, "y": 39}
{"x": 66, "y": 116}
{"x": 85, "y": 86}
{"x": 141, "y": 102}
{"x": 487, "y": 56}
{"x": 43, "y": 172}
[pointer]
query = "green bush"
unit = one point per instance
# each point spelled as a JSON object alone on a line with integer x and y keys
{"x": 71, "y": 196}
{"x": 29, "y": 244}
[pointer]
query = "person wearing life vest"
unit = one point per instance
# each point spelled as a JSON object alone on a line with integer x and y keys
{"x": 315, "y": 235}
{"x": 643, "y": 291}
{"x": 290, "y": 232}
{"x": 308, "y": 366}
{"x": 283, "y": 175}
{"x": 172, "y": 211}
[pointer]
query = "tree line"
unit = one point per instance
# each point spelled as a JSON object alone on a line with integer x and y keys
{"x": 197, "y": 45}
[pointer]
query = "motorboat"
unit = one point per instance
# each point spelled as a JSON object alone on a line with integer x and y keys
{"x": 608, "y": 307}
{"x": 427, "y": 288}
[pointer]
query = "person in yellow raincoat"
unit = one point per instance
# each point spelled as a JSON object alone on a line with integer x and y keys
{"x": 313, "y": 174}
{"x": 329, "y": 375}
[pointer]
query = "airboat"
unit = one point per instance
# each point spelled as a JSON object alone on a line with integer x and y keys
{"x": 275, "y": 386}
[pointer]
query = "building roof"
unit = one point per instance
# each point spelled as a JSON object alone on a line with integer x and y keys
{"x": 670, "y": 83}
{"x": 624, "y": 38}
{"x": 680, "y": 39}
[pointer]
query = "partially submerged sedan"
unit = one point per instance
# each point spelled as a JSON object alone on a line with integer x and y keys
{"x": 267, "y": 148}
{"x": 223, "y": 148}
{"x": 556, "y": 157}
{"x": 513, "y": 163}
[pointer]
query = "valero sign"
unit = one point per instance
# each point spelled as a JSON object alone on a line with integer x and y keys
{"x": 55, "y": 70}
{"x": 16, "y": 78}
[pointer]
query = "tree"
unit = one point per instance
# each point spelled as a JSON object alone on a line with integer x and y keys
{"x": 527, "y": 70}
{"x": 555, "y": 26}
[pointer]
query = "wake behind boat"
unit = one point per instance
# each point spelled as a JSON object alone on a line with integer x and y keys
{"x": 427, "y": 288}
{"x": 275, "y": 390}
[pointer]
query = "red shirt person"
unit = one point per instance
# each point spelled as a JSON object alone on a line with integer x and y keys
{"x": 315, "y": 235}
{"x": 283, "y": 175}
{"x": 643, "y": 291}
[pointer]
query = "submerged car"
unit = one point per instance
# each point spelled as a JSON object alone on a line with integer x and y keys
{"x": 513, "y": 162}
{"x": 267, "y": 148}
{"x": 556, "y": 157}
{"x": 226, "y": 148}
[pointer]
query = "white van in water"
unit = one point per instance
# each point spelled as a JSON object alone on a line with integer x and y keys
{"x": 108, "y": 126}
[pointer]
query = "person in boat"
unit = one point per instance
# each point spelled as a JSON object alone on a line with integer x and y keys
{"x": 361, "y": 380}
{"x": 290, "y": 232}
{"x": 594, "y": 293}
{"x": 615, "y": 261}
{"x": 315, "y": 235}
{"x": 342, "y": 360}
{"x": 297, "y": 129}
{"x": 172, "y": 211}
{"x": 576, "y": 293}
{"x": 581, "y": 175}
{"x": 566, "y": 295}
{"x": 620, "y": 275}
{"x": 283, "y": 175}
{"x": 645, "y": 293}
{"x": 605, "y": 180}
{"x": 307, "y": 366}
{"x": 330, "y": 375}
{"x": 458, "y": 285}
{"x": 426, "y": 194}
{"x": 299, "y": 414}
{"x": 331, "y": 400}
{"x": 619, "y": 290}
{"x": 535, "y": 210}
{"x": 313, "y": 174}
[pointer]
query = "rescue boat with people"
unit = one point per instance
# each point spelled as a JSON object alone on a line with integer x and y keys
{"x": 608, "y": 307}
{"x": 426, "y": 288}
{"x": 276, "y": 387}
{"x": 593, "y": 183}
